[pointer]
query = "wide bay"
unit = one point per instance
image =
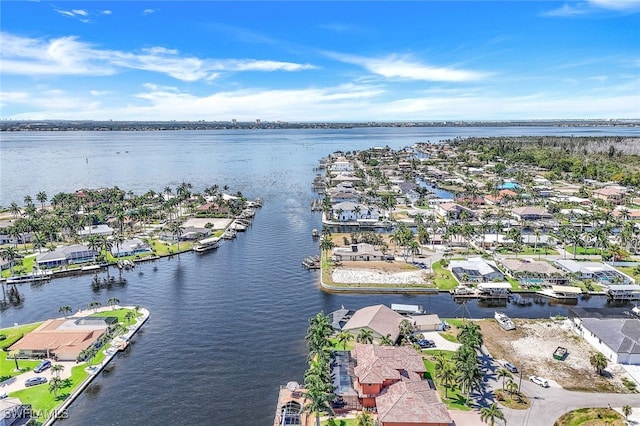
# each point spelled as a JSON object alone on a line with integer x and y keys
{"x": 227, "y": 328}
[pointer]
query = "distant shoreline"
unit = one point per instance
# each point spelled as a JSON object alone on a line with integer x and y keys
{"x": 89, "y": 125}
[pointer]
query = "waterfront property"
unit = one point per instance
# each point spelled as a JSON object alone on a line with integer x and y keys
{"x": 64, "y": 338}
{"x": 475, "y": 269}
{"x": 67, "y": 255}
{"x": 380, "y": 319}
{"x": 130, "y": 247}
{"x": 361, "y": 252}
{"x": 597, "y": 271}
{"x": 533, "y": 272}
{"x": 617, "y": 338}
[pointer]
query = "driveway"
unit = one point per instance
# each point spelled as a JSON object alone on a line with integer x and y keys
{"x": 17, "y": 383}
{"x": 441, "y": 342}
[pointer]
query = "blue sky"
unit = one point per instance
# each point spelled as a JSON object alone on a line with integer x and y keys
{"x": 320, "y": 61}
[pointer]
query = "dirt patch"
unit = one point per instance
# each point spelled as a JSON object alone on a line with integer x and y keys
{"x": 378, "y": 273}
{"x": 531, "y": 345}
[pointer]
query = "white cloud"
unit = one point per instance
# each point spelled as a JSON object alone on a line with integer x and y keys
{"x": 69, "y": 56}
{"x": 616, "y": 4}
{"x": 148, "y": 11}
{"x": 403, "y": 67}
{"x": 593, "y": 6}
{"x": 80, "y": 12}
{"x": 106, "y": 12}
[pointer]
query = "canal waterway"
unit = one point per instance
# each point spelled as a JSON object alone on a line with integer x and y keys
{"x": 226, "y": 327}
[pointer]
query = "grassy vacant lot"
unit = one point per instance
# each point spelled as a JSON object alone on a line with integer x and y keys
{"x": 443, "y": 278}
{"x": 591, "y": 417}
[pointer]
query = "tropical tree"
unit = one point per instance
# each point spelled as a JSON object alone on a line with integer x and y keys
{"x": 512, "y": 387}
{"x": 326, "y": 243}
{"x": 598, "y": 361}
{"x": 94, "y": 305}
{"x": 491, "y": 413}
{"x": 317, "y": 401}
{"x": 54, "y": 385}
{"x": 41, "y": 197}
{"x": 10, "y": 254}
{"x": 176, "y": 231}
{"x": 65, "y": 310}
{"x": 504, "y": 374}
{"x": 365, "y": 335}
{"x": 113, "y": 301}
{"x": 447, "y": 376}
{"x": 406, "y": 329}
{"x": 56, "y": 369}
{"x": 364, "y": 419}
{"x": 14, "y": 354}
{"x": 129, "y": 316}
{"x": 344, "y": 337}
{"x": 627, "y": 410}
{"x": 386, "y": 340}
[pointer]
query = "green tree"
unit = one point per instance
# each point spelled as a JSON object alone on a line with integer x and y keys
{"x": 344, "y": 337}
{"x": 627, "y": 410}
{"x": 386, "y": 340}
{"x": 447, "y": 376}
{"x": 56, "y": 369}
{"x": 598, "y": 361}
{"x": 54, "y": 385}
{"x": 317, "y": 401}
{"x": 14, "y": 354}
{"x": 491, "y": 413}
{"x": 365, "y": 335}
{"x": 65, "y": 310}
{"x": 364, "y": 419}
{"x": 129, "y": 316}
{"x": 406, "y": 329}
{"x": 113, "y": 301}
{"x": 504, "y": 374}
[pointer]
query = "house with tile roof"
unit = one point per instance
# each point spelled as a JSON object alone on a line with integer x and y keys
{"x": 411, "y": 403}
{"x": 380, "y": 319}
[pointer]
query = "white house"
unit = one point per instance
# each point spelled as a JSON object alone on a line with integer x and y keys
{"x": 348, "y": 211}
{"x": 101, "y": 229}
{"x": 617, "y": 338}
{"x": 596, "y": 271}
{"x": 130, "y": 248}
{"x": 475, "y": 269}
{"x": 362, "y": 251}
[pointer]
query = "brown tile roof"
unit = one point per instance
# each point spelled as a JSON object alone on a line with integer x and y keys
{"x": 379, "y": 318}
{"x": 411, "y": 402}
{"x": 377, "y": 363}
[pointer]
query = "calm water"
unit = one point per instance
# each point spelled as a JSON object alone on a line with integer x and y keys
{"x": 227, "y": 328}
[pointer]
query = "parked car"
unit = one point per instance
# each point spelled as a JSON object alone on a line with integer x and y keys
{"x": 539, "y": 381}
{"x": 426, "y": 343}
{"x": 510, "y": 367}
{"x": 42, "y": 366}
{"x": 3, "y": 395}
{"x": 38, "y": 380}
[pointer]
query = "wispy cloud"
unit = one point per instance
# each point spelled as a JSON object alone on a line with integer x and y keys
{"x": 594, "y": 6}
{"x": 69, "y": 56}
{"x": 404, "y": 67}
{"x": 80, "y": 14}
{"x": 148, "y": 11}
{"x": 106, "y": 12}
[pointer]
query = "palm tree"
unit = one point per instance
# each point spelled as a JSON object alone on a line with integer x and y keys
{"x": 447, "y": 376}
{"x": 129, "y": 316}
{"x": 113, "y": 301}
{"x": 54, "y": 385}
{"x": 505, "y": 374}
{"x": 65, "y": 310}
{"x": 41, "y": 197}
{"x": 10, "y": 254}
{"x": 365, "y": 335}
{"x": 343, "y": 339}
{"x": 14, "y": 354}
{"x": 627, "y": 410}
{"x": 94, "y": 244}
{"x": 491, "y": 413}
{"x": 56, "y": 369}
{"x": 406, "y": 329}
{"x": 94, "y": 305}
{"x": 386, "y": 340}
{"x": 512, "y": 387}
{"x": 598, "y": 361}
{"x": 317, "y": 400}
{"x": 364, "y": 419}
{"x": 176, "y": 231}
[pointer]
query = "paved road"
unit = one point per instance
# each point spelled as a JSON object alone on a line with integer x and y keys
{"x": 547, "y": 404}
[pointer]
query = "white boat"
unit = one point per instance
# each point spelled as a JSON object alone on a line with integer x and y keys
{"x": 229, "y": 234}
{"x": 35, "y": 276}
{"x": 562, "y": 292}
{"x": 504, "y": 321}
{"x": 206, "y": 244}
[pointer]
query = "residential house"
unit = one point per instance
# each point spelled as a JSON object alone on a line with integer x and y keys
{"x": 428, "y": 322}
{"x": 68, "y": 255}
{"x": 501, "y": 197}
{"x": 101, "y": 229}
{"x": 452, "y": 211}
{"x": 617, "y": 338}
{"x": 64, "y": 338}
{"x": 130, "y": 247}
{"x": 350, "y": 212}
{"x": 357, "y": 252}
{"x": 341, "y": 165}
{"x": 534, "y": 272}
{"x": 609, "y": 194}
{"x": 380, "y": 319}
{"x": 530, "y": 213}
{"x": 603, "y": 273}
{"x": 475, "y": 269}
{"x": 411, "y": 403}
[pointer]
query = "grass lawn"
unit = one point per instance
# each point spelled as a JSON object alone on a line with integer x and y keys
{"x": 452, "y": 396}
{"x": 7, "y": 366}
{"x": 582, "y": 250}
{"x": 338, "y": 346}
{"x": 443, "y": 278}
{"x": 341, "y": 422}
{"x": 529, "y": 251}
{"x": 41, "y": 398}
{"x": 20, "y": 269}
{"x": 591, "y": 416}
{"x": 118, "y": 313}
